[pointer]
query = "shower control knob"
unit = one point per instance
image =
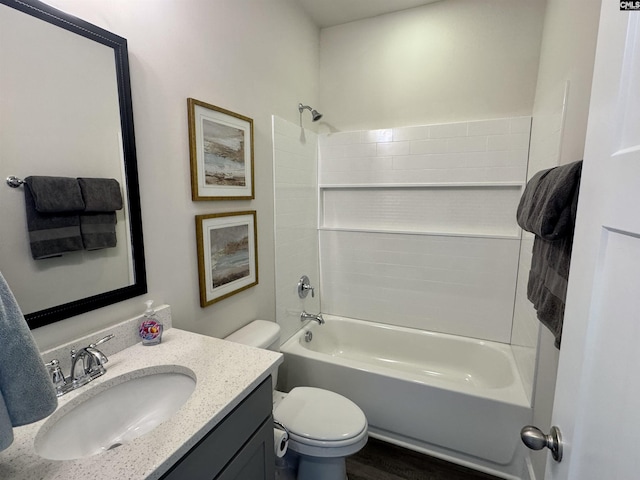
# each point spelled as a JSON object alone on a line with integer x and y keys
{"x": 304, "y": 286}
{"x": 533, "y": 438}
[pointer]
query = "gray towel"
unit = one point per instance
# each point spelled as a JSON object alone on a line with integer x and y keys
{"x": 548, "y": 278}
{"x": 100, "y": 194}
{"x": 98, "y": 230}
{"x": 50, "y": 234}
{"x": 102, "y": 197}
{"x": 25, "y": 387}
{"x": 6, "y": 429}
{"x": 548, "y": 210}
{"x": 545, "y": 206}
{"x": 55, "y": 195}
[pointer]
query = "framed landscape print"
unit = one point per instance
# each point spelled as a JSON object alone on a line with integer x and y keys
{"x": 227, "y": 254}
{"x": 221, "y": 152}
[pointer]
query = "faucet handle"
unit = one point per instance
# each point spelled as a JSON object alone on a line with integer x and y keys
{"x": 96, "y": 356}
{"x": 97, "y": 359}
{"x": 304, "y": 285}
{"x": 102, "y": 340}
{"x": 57, "y": 377}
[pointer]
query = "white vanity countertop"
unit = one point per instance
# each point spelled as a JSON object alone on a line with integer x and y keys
{"x": 226, "y": 372}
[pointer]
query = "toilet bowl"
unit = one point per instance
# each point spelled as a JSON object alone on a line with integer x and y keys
{"x": 324, "y": 427}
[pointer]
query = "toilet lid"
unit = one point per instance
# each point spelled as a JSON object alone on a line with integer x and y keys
{"x": 319, "y": 414}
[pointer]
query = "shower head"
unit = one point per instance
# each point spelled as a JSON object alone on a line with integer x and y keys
{"x": 315, "y": 116}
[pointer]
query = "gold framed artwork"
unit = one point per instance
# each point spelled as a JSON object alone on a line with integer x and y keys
{"x": 227, "y": 254}
{"x": 221, "y": 152}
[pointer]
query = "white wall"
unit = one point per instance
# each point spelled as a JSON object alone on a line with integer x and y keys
{"x": 449, "y": 61}
{"x": 253, "y": 57}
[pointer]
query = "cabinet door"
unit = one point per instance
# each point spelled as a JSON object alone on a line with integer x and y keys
{"x": 221, "y": 445}
{"x": 255, "y": 460}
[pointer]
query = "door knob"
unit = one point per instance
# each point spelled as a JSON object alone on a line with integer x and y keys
{"x": 533, "y": 438}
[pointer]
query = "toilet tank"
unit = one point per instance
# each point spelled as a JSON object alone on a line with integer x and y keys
{"x": 259, "y": 334}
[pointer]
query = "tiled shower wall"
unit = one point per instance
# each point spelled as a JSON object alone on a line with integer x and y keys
{"x": 546, "y": 141}
{"x": 417, "y": 225}
{"x": 296, "y": 221}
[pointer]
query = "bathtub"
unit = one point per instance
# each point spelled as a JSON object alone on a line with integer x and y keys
{"x": 456, "y": 398}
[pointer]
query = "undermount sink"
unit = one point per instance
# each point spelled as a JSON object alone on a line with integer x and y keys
{"x": 114, "y": 413}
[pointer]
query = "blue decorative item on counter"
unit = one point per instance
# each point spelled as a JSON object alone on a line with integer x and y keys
{"x": 150, "y": 328}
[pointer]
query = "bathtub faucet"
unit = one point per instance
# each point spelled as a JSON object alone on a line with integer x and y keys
{"x": 310, "y": 316}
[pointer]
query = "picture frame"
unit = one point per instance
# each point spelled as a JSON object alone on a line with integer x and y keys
{"x": 221, "y": 153}
{"x": 227, "y": 254}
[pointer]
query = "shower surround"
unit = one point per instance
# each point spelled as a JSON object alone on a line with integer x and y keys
{"x": 417, "y": 225}
{"x": 414, "y": 227}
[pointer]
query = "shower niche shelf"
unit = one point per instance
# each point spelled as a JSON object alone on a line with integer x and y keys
{"x": 432, "y": 233}
{"x": 478, "y": 209}
{"x": 339, "y": 186}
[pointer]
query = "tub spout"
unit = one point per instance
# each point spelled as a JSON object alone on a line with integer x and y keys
{"x": 310, "y": 316}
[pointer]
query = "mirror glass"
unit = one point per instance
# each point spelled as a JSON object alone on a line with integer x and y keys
{"x": 66, "y": 112}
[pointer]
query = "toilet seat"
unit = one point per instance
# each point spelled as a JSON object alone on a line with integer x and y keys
{"x": 322, "y": 423}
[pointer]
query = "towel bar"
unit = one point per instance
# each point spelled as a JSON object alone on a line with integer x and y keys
{"x": 14, "y": 182}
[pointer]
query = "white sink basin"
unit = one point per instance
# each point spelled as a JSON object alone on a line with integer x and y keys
{"x": 114, "y": 413}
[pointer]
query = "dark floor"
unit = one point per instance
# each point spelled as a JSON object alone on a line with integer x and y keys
{"x": 382, "y": 461}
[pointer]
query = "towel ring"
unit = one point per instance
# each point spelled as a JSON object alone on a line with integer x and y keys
{"x": 14, "y": 182}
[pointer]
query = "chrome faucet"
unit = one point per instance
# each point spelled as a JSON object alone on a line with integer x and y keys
{"x": 310, "y": 316}
{"x": 91, "y": 362}
{"x": 86, "y": 365}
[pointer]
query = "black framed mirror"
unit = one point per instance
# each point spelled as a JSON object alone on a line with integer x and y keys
{"x": 69, "y": 113}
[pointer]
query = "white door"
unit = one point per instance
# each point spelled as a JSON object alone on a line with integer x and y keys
{"x": 597, "y": 403}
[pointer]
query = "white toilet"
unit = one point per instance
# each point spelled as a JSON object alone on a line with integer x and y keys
{"x": 324, "y": 427}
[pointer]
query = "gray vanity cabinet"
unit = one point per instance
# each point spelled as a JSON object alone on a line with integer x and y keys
{"x": 240, "y": 447}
